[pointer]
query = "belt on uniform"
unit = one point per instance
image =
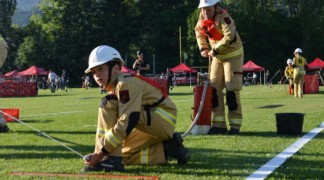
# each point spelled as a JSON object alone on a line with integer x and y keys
{"x": 148, "y": 112}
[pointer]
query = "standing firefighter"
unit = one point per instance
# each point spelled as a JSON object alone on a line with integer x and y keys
{"x": 289, "y": 72}
{"x": 3, "y": 56}
{"x": 136, "y": 120}
{"x": 217, "y": 27}
{"x": 300, "y": 64}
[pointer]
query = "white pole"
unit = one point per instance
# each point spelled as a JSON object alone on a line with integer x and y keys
{"x": 154, "y": 64}
{"x": 180, "y": 43}
{"x": 260, "y": 77}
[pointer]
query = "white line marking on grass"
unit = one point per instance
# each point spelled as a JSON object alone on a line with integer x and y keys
{"x": 277, "y": 161}
{"x": 48, "y": 114}
{"x": 88, "y": 125}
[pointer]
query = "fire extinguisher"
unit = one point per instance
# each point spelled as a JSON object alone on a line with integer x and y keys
{"x": 202, "y": 110}
{"x": 203, "y": 123}
{"x": 202, "y": 104}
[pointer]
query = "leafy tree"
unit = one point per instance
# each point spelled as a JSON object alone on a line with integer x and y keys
{"x": 272, "y": 29}
{"x": 158, "y": 32}
{"x": 311, "y": 20}
{"x": 7, "y": 9}
{"x": 65, "y": 32}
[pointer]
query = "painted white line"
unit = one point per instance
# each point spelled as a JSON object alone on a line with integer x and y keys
{"x": 88, "y": 125}
{"x": 322, "y": 125}
{"x": 49, "y": 114}
{"x": 277, "y": 161}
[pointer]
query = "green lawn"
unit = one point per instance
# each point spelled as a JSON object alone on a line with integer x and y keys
{"x": 71, "y": 118}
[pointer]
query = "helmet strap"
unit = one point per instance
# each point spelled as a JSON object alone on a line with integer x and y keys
{"x": 111, "y": 64}
{"x": 109, "y": 75}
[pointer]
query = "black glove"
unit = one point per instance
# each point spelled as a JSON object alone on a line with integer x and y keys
{"x": 215, "y": 52}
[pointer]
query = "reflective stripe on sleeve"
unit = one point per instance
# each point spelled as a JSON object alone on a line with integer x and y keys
{"x": 202, "y": 43}
{"x": 112, "y": 139}
{"x": 101, "y": 132}
{"x": 170, "y": 118}
{"x": 229, "y": 55}
{"x": 221, "y": 48}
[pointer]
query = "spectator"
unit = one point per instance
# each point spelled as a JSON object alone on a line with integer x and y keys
{"x": 254, "y": 78}
{"x": 169, "y": 75}
{"x": 64, "y": 80}
{"x": 249, "y": 78}
{"x": 267, "y": 77}
{"x": 86, "y": 82}
{"x": 51, "y": 79}
{"x": 140, "y": 65}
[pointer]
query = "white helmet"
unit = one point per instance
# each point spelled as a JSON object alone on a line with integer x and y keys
{"x": 207, "y": 3}
{"x": 289, "y": 61}
{"x": 101, "y": 55}
{"x": 298, "y": 50}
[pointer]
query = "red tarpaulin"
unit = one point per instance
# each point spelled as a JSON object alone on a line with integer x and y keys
{"x": 127, "y": 70}
{"x": 311, "y": 84}
{"x": 316, "y": 64}
{"x": 182, "y": 68}
{"x": 11, "y": 73}
{"x": 33, "y": 71}
{"x": 19, "y": 89}
{"x": 251, "y": 66}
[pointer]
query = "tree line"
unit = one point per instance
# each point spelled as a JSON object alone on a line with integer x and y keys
{"x": 63, "y": 34}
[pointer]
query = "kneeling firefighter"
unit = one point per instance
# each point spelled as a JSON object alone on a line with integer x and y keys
{"x": 3, "y": 56}
{"x": 225, "y": 47}
{"x": 136, "y": 120}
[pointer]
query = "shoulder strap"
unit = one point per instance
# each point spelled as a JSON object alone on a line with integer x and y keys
{"x": 155, "y": 84}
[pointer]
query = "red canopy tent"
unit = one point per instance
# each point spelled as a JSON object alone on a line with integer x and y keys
{"x": 182, "y": 68}
{"x": 251, "y": 66}
{"x": 316, "y": 64}
{"x": 34, "y": 70}
{"x": 11, "y": 73}
{"x": 124, "y": 69}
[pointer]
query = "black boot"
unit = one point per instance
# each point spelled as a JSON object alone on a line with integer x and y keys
{"x": 4, "y": 129}
{"x": 107, "y": 164}
{"x": 174, "y": 148}
{"x": 233, "y": 131}
{"x": 216, "y": 130}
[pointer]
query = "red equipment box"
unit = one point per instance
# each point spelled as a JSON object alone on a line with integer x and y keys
{"x": 12, "y": 112}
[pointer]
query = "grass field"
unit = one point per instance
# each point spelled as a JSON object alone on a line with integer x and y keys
{"x": 71, "y": 118}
